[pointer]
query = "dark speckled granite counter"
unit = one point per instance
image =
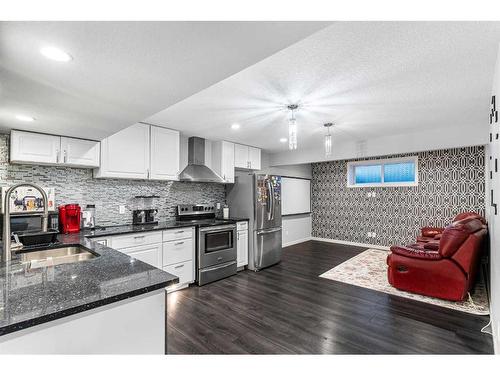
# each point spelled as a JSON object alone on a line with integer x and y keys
{"x": 29, "y": 297}
{"x": 125, "y": 229}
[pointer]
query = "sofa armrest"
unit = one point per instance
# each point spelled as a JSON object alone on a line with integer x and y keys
{"x": 415, "y": 253}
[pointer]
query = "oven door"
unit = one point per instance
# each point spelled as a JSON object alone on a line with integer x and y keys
{"x": 216, "y": 245}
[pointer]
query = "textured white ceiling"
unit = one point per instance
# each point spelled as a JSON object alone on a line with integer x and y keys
{"x": 370, "y": 78}
{"x": 123, "y": 72}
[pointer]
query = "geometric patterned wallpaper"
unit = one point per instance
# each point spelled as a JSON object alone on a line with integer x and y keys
{"x": 449, "y": 182}
{"x": 76, "y": 185}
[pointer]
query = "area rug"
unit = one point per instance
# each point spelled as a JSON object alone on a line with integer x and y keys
{"x": 369, "y": 270}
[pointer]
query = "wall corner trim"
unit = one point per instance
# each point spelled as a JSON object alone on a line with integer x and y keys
{"x": 341, "y": 242}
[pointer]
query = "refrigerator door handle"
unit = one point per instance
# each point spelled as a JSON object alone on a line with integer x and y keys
{"x": 273, "y": 199}
{"x": 266, "y": 231}
{"x": 270, "y": 206}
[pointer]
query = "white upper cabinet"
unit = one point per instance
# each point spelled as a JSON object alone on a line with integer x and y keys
{"x": 240, "y": 156}
{"x": 165, "y": 153}
{"x": 36, "y": 148}
{"x": 246, "y": 157}
{"x": 142, "y": 152}
{"x": 223, "y": 160}
{"x": 80, "y": 152}
{"x": 254, "y": 157}
{"x": 126, "y": 154}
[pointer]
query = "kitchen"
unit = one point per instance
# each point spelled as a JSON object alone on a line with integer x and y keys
{"x": 175, "y": 216}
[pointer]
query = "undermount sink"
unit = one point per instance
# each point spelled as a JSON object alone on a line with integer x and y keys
{"x": 55, "y": 256}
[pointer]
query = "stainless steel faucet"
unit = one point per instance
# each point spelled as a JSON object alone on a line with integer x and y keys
{"x": 7, "y": 255}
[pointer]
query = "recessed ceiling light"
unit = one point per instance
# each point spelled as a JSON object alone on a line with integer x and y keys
{"x": 235, "y": 126}
{"x": 283, "y": 140}
{"x": 25, "y": 118}
{"x": 56, "y": 54}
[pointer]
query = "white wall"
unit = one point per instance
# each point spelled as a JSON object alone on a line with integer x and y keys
{"x": 493, "y": 149}
{"x": 296, "y": 228}
{"x": 425, "y": 140}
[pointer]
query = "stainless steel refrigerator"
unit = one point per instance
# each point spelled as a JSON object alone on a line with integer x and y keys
{"x": 258, "y": 197}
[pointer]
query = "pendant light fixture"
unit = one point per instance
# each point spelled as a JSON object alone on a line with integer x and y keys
{"x": 328, "y": 139}
{"x": 292, "y": 127}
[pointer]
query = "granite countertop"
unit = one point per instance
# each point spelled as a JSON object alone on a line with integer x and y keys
{"x": 125, "y": 229}
{"x": 29, "y": 297}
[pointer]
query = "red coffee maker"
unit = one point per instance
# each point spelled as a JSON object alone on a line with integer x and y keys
{"x": 69, "y": 218}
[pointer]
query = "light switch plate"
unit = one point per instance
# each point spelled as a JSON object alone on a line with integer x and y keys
{"x": 121, "y": 209}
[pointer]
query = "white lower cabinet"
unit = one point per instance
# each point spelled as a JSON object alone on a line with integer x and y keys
{"x": 242, "y": 243}
{"x": 177, "y": 251}
{"x": 150, "y": 254}
{"x": 184, "y": 271}
{"x": 179, "y": 256}
{"x": 172, "y": 250}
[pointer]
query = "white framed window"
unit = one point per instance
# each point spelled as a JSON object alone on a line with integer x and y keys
{"x": 383, "y": 172}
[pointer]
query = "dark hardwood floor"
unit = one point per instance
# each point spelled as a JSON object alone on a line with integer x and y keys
{"x": 288, "y": 309}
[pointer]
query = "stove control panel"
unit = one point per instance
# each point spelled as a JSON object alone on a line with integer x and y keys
{"x": 195, "y": 209}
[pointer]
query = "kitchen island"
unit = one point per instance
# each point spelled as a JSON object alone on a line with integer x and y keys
{"x": 109, "y": 304}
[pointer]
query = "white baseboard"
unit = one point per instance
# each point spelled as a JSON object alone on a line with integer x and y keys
{"x": 371, "y": 246}
{"x": 297, "y": 241}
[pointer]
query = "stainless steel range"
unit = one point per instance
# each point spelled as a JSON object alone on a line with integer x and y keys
{"x": 215, "y": 242}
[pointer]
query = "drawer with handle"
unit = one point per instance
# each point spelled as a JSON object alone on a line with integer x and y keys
{"x": 242, "y": 225}
{"x": 178, "y": 251}
{"x": 178, "y": 234}
{"x": 135, "y": 239}
{"x": 184, "y": 271}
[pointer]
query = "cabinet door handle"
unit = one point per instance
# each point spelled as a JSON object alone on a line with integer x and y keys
{"x": 137, "y": 237}
{"x": 179, "y": 243}
{"x": 182, "y": 265}
{"x": 57, "y": 156}
{"x": 179, "y": 231}
{"x": 65, "y": 156}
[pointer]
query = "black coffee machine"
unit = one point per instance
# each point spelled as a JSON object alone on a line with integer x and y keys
{"x": 147, "y": 216}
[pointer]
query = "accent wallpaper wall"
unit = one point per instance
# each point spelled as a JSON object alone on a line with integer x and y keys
{"x": 450, "y": 181}
{"x": 74, "y": 185}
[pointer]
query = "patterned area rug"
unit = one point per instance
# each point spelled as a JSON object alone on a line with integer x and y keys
{"x": 369, "y": 270}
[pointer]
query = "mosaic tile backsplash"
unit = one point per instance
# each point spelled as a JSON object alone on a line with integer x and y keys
{"x": 75, "y": 185}
{"x": 449, "y": 182}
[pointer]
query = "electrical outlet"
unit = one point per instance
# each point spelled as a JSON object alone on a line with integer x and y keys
{"x": 121, "y": 209}
{"x": 218, "y": 205}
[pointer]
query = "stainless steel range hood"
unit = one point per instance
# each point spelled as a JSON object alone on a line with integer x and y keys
{"x": 196, "y": 170}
